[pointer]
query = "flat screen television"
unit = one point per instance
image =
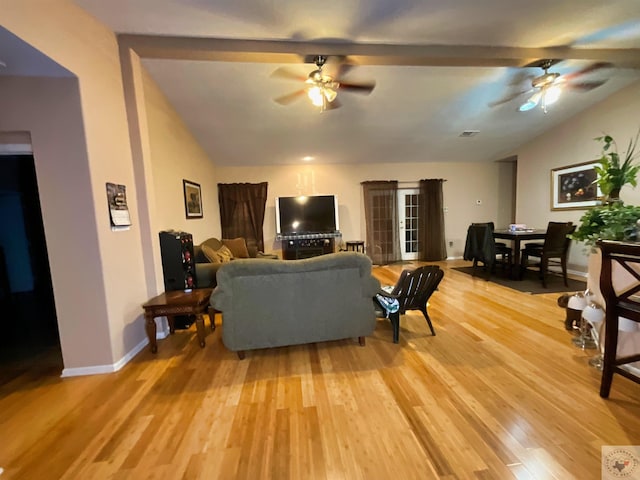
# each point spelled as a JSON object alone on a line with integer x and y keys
{"x": 307, "y": 214}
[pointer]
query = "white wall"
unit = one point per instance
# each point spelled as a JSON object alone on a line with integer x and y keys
{"x": 569, "y": 144}
{"x": 466, "y": 183}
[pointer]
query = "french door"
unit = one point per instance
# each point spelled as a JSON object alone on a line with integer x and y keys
{"x": 408, "y": 222}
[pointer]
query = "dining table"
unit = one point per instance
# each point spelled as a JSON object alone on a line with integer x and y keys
{"x": 517, "y": 236}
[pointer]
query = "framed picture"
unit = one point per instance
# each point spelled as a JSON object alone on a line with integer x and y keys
{"x": 574, "y": 187}
{"x": 192, "y": 199}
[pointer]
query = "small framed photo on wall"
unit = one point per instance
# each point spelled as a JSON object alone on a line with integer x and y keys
{"x": 192, "y": 199}
{"x": 574, "y": 187}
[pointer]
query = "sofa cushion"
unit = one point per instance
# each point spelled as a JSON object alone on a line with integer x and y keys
{"x": 224, "y": 254}
{"x": 210, "y": 254}
{"x": 238, "y": 247}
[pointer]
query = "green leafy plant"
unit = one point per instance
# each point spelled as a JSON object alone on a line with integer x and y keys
{"x": 613, "y": 173}
{"x": 608, "y": 222}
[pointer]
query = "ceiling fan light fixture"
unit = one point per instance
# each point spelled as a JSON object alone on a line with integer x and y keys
{"x": 316, "y": 96}
{"x": 330, "y": 93}
{"x": 551, "y": 94}
{"x": 544, "y": 80}
{"x": 531, "y": 103}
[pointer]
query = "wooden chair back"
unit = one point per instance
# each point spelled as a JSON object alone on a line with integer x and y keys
{"x": 414, "y": 287}
{"x": 556, "y": 242}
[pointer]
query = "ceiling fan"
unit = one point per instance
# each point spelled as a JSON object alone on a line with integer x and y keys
{"x": 548, "y": 87}
{"x": 321, "y": 88}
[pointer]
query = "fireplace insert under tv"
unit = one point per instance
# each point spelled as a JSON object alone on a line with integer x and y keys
{"x": 307, "y": 214}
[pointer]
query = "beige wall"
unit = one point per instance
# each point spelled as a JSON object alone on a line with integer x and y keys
{"x": 80, "y": 134}
{"x": 50, "y": 109}
{"x": 98, "y": 275}
{"x": 81, "y": 140}
{"x": 568, "y": 144}
{"x": 177, "y": 156}
{"x": 466, "y": 183}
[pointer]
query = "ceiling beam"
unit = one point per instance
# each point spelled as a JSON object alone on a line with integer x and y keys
{"x": 287, "y": 51}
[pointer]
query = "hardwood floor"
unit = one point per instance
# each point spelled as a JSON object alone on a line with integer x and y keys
{"x": 500, "y": 392}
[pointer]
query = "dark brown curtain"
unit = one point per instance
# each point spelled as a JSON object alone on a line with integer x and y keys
{"x": 242, "y": 207}
{"x": 431, "y": 241}
{"x": 381, "y": 217}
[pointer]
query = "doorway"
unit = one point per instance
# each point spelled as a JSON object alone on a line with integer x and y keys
{"x": 28, "y": 322}
{"x": 408, "y": 222}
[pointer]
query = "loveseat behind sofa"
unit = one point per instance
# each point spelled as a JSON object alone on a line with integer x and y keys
{"x": 273, "y": 303}
{"x": 207, "y": 266}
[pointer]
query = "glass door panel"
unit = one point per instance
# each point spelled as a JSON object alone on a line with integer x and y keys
{"x": 408, "y": 218}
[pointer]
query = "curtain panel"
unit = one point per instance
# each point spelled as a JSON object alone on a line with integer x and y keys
{"x": 431, "y": 238}
{"x": 381, "y": 219}
{"x": 242, "y": 207}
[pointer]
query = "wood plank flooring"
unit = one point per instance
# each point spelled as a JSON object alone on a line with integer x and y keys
{"x": 500, "y": 392}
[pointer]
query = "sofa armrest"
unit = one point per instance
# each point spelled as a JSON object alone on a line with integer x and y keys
{"x": 270, "y": 256}
{"x": 206, "y": 274}
{"x": 220, "y": 299}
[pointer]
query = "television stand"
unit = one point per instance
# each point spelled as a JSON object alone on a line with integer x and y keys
{"x": 301, "y": 247}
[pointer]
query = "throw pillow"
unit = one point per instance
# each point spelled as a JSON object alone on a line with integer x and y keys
{"x": 238, "y": 247}
{"x": 224, "y": 254}
{"x": 210, "y": 254}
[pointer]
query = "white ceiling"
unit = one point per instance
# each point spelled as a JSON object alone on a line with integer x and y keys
{"x": 438, "y": 67}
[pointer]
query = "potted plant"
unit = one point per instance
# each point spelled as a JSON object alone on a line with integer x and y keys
{"x": 612, "y": 173}
{"x": 612, "y": 220}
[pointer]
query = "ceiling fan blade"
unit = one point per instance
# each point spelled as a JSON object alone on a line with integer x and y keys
{"x": 342, "y": 69}
{"x": 585, "y": 86}
{"x": 588, "y": 69}
{"x": 288, "y": 74}
{"x": 364, "y": 88}
{"x": 290, "y": 97}
{"x": 508, "y": 98}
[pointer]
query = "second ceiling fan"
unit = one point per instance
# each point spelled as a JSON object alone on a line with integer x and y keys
{"x": 321, "y": 88}
{"x": 547, "y": 88}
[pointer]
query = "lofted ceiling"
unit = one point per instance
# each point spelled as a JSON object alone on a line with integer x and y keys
{"x": 441, "y": 67}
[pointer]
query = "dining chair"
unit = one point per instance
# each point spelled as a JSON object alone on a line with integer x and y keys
{"x": 412, "y": 290}
{"x": 620, "y": 283}
{"x": 555, "y": 249}
{"x": 480, "y": 246}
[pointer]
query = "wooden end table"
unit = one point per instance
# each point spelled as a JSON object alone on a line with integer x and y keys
{"x": 178, "y": 302}
{"x": 355, "y": 245}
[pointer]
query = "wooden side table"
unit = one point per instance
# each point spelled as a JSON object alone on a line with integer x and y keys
{"x": 355, "y": 245}
{"x": 178, "y": 302}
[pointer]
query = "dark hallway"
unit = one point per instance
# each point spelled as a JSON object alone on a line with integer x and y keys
{"x": 29, "y": 340}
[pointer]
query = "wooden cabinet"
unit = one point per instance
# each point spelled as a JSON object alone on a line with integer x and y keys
{"x": 295, "y": 249}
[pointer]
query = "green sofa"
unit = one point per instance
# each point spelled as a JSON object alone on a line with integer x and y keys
{"x": 273, "y": 303}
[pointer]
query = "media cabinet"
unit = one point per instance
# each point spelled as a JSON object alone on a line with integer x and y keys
{"x": 306, "y": 246}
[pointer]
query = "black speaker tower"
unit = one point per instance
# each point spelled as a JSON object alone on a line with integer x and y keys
{"x": 178, "y": 263}
{"x": 178, "y": 267}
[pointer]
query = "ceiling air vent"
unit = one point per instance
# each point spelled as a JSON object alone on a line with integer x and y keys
{"x": 469, "y": 133}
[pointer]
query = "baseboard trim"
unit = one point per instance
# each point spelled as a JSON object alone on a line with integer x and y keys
{"x": 101, "y": 369}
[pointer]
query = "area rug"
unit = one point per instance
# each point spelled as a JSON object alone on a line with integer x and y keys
{"x": 531, "y": 282}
